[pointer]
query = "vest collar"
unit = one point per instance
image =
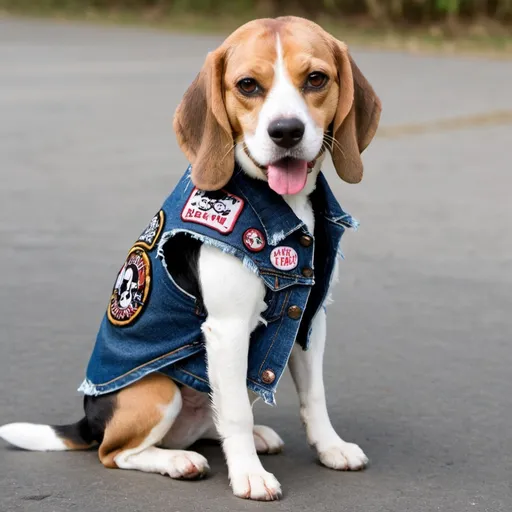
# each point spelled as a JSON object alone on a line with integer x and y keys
{"x": 326, "y": 204}
{"x": 277, "y": 218}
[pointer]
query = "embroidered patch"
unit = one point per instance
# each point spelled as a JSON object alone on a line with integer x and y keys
{"x": 284, "y": 258}
{"x": 150, "y": 235}
{"x": 218, "y": 209}
{"x": 254, "y": 240}
{"x": 131, "y": 289}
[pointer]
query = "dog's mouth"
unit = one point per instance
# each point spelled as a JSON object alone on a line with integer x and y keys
{"x": 287, "y": 175}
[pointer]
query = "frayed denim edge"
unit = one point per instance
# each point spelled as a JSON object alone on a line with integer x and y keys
{"x": 246, "y": 261}
{"x": 267, "y": 396}
{"x": 88, "y": 388}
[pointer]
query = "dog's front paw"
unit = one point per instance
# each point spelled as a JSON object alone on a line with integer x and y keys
{"x": 343, "y": 457}
{"x": 266, "y": 440}
{"x": 257, "y": 485}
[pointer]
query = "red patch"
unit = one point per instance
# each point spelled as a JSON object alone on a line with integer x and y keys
{"x": 254, "y": 240}
{"x": 217, "y": 210}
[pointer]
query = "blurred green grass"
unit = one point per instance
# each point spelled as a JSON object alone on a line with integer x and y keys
{"x": 350, "y": 20}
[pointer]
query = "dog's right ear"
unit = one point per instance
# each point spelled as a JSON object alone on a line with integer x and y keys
{"x": 202, "y": 127}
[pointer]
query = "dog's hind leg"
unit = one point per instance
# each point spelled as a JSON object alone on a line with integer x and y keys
{"x": 267, "y": 440}
{"x": 143, "y": 413}
{"x": 127, "y": 424}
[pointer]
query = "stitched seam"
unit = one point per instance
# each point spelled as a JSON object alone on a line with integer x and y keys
{"x": 339, "y": 223}
{"x": 181, "y": 369}
{"x": 287, "y": 298}
{"x": 279, "y": 314}
{"x": 144, "y": 365}
{"x": 177, "y": 379}
{"x": 261, "y": 221}
{"x": 256, "y": 383}
{"x": 270, "y": 314}
{"x": 280, "y": 274}
{"x": 253, "y": 209}
{"x": 179, "y": 288}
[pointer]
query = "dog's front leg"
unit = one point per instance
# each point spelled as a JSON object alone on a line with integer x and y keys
{"x": 233, "y": 297}
{"x": 307, "y": 372}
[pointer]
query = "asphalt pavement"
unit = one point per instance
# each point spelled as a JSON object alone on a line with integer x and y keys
{"x": 419, "y": 356}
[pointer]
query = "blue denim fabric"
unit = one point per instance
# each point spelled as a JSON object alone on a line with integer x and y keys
{"x": 166, "y": 336}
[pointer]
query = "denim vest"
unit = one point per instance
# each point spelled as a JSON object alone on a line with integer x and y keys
{"x": 153, "y": 325}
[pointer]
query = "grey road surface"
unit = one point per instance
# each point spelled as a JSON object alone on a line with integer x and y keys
{"x": 419, "y": 357}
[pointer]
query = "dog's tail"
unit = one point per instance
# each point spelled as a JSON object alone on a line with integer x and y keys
{"x": 45, "y": 438}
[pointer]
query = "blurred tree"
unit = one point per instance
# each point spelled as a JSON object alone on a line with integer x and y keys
{"x": 382, "y": 12}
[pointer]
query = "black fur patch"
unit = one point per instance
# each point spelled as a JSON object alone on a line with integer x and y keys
{"x": 98, "y": 412}
{"x": 181, "y": 255}
{"x": 78, "y": 433}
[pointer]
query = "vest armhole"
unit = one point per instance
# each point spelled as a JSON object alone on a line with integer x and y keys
{"x": 179, "y": 255}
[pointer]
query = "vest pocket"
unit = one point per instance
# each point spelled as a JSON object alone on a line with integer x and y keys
{"x": 276, "y": 304}
{"x": 171, "y": 284}
{"x": 181, "y": 295}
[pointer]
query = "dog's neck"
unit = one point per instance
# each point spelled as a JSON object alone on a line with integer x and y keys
{"x": 301, "y": 206}
{"x": 299, "y": 203}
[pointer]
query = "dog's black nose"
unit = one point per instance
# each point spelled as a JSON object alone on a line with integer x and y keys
{"x": 286, "y": 132}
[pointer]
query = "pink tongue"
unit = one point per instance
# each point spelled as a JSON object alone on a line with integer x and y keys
{"x": 288, "y": 176}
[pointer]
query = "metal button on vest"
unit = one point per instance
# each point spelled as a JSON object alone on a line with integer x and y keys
{"x": 268, "y": 376}
{"x": 307, "y": 272}
{"x": 305, "y": 240}
{"x": 294, "y": 312}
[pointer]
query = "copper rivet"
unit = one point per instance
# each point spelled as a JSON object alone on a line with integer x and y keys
{"x": 268, "y": 376}
{"x": 305, "y": 240}
{"x": 294, "y": 312}
{"x": 307, "y": 272}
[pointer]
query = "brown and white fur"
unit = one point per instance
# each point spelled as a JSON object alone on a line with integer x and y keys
{"x": 148, "y": 425}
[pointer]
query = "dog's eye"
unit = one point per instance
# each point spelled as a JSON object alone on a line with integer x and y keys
{"x": 316, "y": 80}
{"x": 248, "y": 86}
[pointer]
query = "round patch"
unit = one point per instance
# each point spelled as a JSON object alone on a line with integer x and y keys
{"x": 254, "y": 240}
{"x": 284, "y": 258}
{"x": 131, "y": 289}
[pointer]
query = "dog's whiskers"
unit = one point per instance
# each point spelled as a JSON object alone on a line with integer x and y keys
{"x": 228, "y": 151}
{"x": 333, "y": 143}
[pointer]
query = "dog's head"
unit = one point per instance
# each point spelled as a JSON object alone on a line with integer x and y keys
{"x": 275, "y": 95}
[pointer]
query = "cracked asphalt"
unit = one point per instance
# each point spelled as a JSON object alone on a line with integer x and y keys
{"x": 419, "y": 357}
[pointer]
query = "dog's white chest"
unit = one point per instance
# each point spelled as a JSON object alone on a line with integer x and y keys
{"x": 301, "y": 206}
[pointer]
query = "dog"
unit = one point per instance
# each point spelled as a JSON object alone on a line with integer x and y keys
{"x": 229, "y": 283}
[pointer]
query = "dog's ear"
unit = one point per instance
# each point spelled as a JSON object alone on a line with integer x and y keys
{"x": 356, "y": 119}
{"x": 202, "y": 126}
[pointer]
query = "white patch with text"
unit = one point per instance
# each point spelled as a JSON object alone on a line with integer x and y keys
{"x": 218, "y": 210}
{"x": 284, "y": 258}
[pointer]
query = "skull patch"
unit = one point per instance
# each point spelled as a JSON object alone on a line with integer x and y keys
{"x": 131, "y": 290}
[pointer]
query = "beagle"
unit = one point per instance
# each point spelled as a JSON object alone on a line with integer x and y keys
{"x": 228, "y": 285}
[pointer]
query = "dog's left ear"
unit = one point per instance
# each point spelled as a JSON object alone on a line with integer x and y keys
{"x": 356, "y": 119}
{"x": 203, "y": 129}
